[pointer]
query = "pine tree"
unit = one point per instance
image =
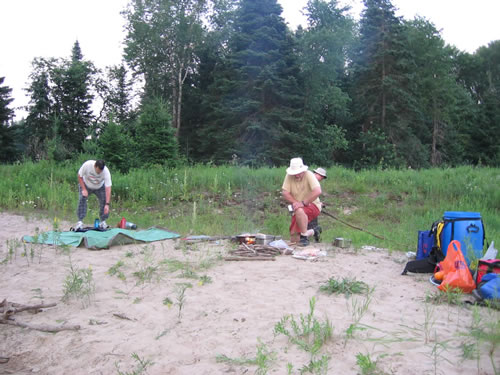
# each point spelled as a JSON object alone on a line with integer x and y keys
{"x": 437, "y": 94}
{"x": 117, "y": 147}
{"x": 323, "y": 59}
{"x": 39, "y": 122}
{"x": 73, "y": 99}
{"x": 256, "y": 99}
{"x": 7, "y": 146}
{"x": 480, "y": 75}
{"x": 155, "y": 136}
{"x": 381, "y": 98}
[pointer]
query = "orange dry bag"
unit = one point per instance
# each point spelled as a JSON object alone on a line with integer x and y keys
{"x": 455, "y": 269}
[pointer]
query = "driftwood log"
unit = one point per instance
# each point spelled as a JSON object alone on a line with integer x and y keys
{"x": 242, "y": 258}
{"x": 253, "y": 252}
{"x": 8, "y": 309}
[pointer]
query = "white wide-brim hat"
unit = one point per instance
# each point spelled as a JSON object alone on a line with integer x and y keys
{"x": 296, "y": 166}
{"x": 320, "y": 171}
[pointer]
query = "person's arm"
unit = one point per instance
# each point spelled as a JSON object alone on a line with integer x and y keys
{"x": 315, "y": 193}
{"x": 290, "y": 199}
{"x": 85, "y": 193}
{"x": 108, "y": 199}
{"x": 288, "y": 196}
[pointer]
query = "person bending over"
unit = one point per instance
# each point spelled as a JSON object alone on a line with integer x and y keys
{"x": 301, "y": 189}
{"x": 94, "y": 178}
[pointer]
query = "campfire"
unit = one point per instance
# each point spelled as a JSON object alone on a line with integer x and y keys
{"x": 246, "y": 238}
{"x": 254, "y": 247}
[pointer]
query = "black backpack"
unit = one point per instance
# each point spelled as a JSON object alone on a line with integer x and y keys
{"x": 428, "y": 265}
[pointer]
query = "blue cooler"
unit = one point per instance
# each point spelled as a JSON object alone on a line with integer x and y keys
{"x": 466, "y": 227}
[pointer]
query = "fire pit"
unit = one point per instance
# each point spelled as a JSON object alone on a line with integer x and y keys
{"x": 246, "y": 238}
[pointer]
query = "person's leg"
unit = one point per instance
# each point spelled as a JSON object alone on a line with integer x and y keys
{"x": 302, "y": 220}
{"x": 81, "y": 211}
{"x": 314, "y": 225}
{"x": 294, "y": 234}
{"x": 101, "y": 196}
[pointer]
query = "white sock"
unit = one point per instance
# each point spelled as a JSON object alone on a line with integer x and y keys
{"x": 308, "y": 233}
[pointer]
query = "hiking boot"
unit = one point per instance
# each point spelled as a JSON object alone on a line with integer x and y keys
{"x": 103, "y": 225}
{"x": 79, "y": 226}
{"x": 317, "y": 233}
{"x": 304, "y": 241}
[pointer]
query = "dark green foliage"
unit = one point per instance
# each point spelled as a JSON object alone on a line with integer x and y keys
{"x": 60, "y": 115}
{"x": 155, "y": 136}
{"x": 256, "y": 100}
{"x": 238, "y": 86}
{"x": 117, "y": 94}
{"x": 7, "y": 146}
{"x": 322, "y": 60}
{"x": 375, "y": 150}
{"x": 73, "y": 100}
{"x": 39, "y": 123}
{"x": 381, "y": 97}
{"x": 439, "y": 100}
{"x": 116, "y": 147}
{"x": 480, "y": 74}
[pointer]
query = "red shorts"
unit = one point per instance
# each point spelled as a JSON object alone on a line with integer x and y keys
{"x": 311, "y": 211}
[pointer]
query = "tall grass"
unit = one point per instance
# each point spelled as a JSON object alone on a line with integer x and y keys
{"x": 230, "y": 199}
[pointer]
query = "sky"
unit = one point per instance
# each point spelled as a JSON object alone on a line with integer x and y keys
{"x": 49, "y": 28}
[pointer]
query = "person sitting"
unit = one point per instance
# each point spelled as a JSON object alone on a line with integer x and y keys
{"x": 301, "y": 189}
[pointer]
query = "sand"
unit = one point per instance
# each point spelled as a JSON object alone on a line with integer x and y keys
{"x": 142, "y": 316}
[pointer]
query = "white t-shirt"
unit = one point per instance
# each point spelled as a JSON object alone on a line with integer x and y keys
{"x": 92, "y": 179}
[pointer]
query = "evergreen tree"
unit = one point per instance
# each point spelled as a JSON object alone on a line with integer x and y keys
{"x": 256, "y": 101}
{"x": 434, "y": 86}
{"x": 323, "y": 60}
{"x": 479, "y": 73}
{"x": 39, "y": 122}
{"x": 77, "y": 100}
{"x": 155, "y": 136}
{"x": 117, "y": 147}
{"x": 119, "y": 96}
{"x": 73, "y": 99}
{"x": 380, "y": 70}
{"x": 7, "y": 145}
{"x": 202, "y": 94}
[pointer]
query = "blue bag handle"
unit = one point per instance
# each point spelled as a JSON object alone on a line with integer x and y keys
{"x": 472, "y": 228}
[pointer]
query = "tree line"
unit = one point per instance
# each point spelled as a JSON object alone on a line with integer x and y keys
{"x": 219, "y": 81}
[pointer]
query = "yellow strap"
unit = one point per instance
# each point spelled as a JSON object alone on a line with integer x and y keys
{"x": 438, "y": 234}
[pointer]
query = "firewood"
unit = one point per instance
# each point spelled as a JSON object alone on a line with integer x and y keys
{"x": 13, "y": 308}
{"x": 123, "y": 316}
{"x": 8, "y": 309}
{"x": 249, "y": 258}
{"x": 41, "y": 327}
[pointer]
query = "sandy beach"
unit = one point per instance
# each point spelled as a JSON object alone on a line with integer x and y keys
{"x": 179, "y": 308}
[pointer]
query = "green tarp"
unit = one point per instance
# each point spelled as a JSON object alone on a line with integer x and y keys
{"x": 97, "y": 240}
